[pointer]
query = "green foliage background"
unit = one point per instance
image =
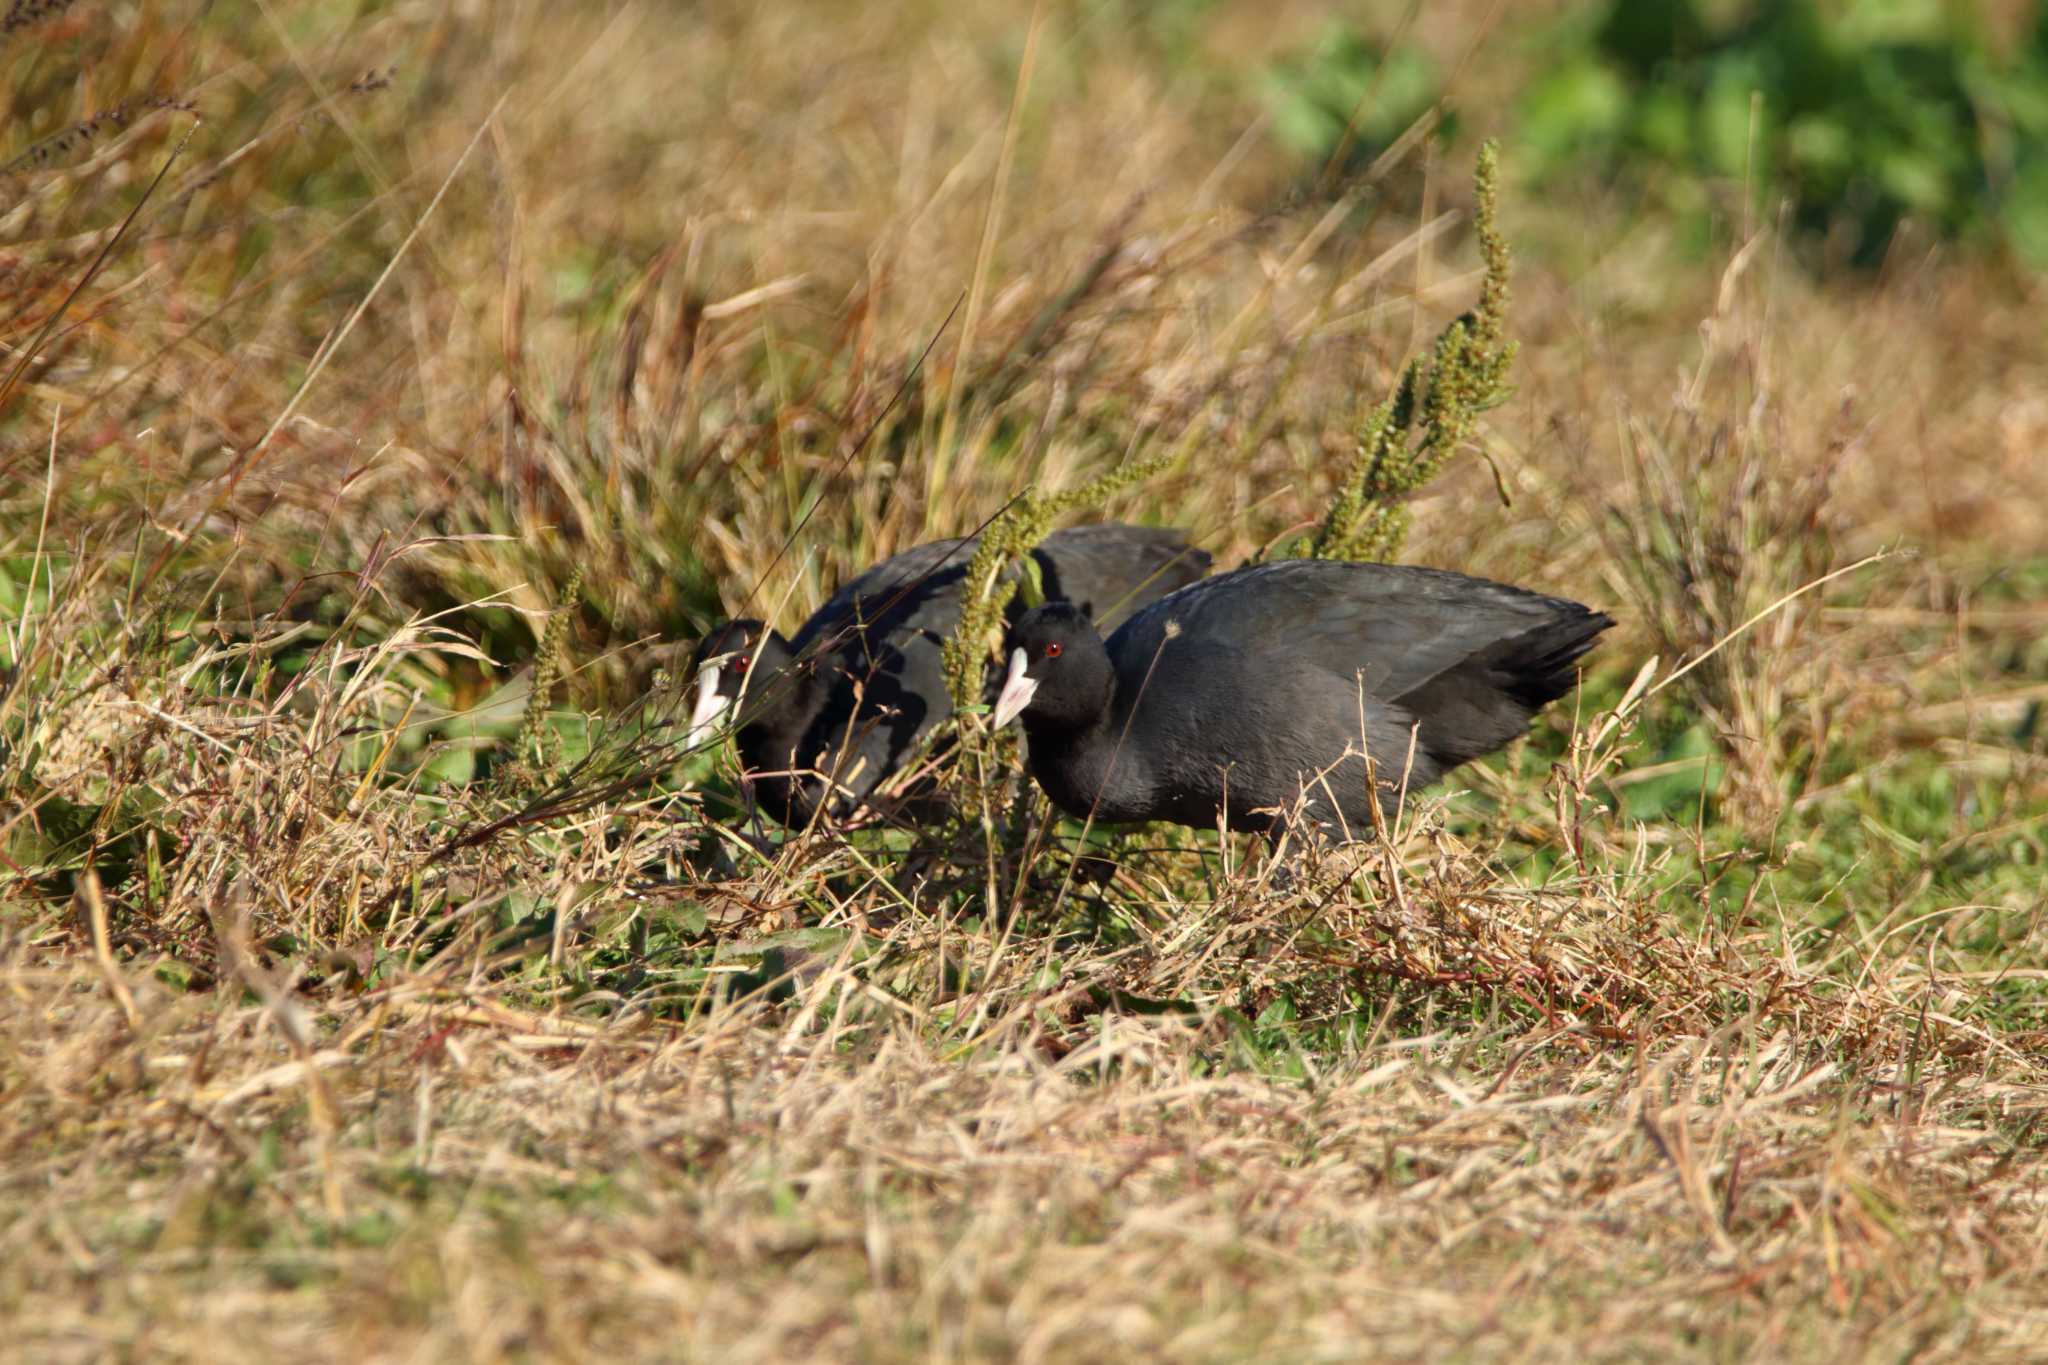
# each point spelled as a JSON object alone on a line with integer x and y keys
{"x": 1860, "y": 116}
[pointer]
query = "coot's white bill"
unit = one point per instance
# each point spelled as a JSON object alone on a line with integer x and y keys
{"x": 710, "y": 707}
{"x": 1017, "y": 691}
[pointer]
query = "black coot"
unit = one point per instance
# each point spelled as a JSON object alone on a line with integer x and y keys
{"x": 861, "y": 684}
{"x": 1247, "y": 692}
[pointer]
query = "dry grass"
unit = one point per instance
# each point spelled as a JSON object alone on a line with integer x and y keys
{"x": 443, "y": 1171}
{"x": 353, "y": 1007}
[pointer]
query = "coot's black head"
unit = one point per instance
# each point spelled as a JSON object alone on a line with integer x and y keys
{"x": 729, "y": 656}
{"x": 1060, "y": 676}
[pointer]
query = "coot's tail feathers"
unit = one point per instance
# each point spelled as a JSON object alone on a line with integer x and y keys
{"x": 1538, "y": 666}
{"x": 1490, "y": 698}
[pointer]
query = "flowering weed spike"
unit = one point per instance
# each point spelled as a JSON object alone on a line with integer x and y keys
{"x": 1013, "y": 534}
{"x": 1404, "y": 440}
{"x": 534, "y": 758}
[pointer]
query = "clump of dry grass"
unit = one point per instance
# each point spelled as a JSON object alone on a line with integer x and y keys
{"x": 446, "y": 1167}
{"x": 23, "y": 14}
{"x": 376, "y": 984}
{"x": 1718, "y": 529}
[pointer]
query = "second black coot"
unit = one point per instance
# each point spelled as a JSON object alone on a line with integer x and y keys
{"x": 846, "y": 701}
{"x": 1261, "y": 691}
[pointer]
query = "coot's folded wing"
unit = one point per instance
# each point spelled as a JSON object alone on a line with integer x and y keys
{"x": 922, "y": 582}
{"x": 1111, "y": 569}
{"x": 1400, "y": 625}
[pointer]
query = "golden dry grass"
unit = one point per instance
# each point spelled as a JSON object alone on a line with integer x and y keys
{"x": 466, "y": 1180}
{"x": 345, "y": 1015}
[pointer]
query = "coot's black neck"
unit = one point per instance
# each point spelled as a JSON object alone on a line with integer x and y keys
{"x": 779, "y": 711}
{"x": 1077, "y": 764}
{"x": 776, "y": 711}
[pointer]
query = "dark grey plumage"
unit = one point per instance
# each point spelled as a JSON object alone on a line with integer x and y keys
{"x": 858, "y": 688}
{"x": 1247, "y": 692}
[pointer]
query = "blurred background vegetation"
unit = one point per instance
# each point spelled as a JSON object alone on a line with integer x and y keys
{"x": 1855, "y": 118}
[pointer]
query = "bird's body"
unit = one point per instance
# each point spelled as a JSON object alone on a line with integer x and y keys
{"x": 1256, "y": 692}
{"x": 855, "y": 692}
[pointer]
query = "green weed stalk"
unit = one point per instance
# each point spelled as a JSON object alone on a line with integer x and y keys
{"x": 1404, "y": 440}
{"x": 536, "y": 753}
{"x": 1012, "y": 536}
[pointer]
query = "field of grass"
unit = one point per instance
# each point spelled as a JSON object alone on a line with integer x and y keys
{"x": 390, "y": 395}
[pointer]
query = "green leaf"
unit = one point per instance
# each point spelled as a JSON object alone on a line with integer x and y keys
{"x": 688, "y": 916}
{"x": 1280, "y": 1012}
{"x": 1820, "y": 144}
{"x": 810, "y": 940}
{"x": 1663, "y": 124}
{"x": 1914, "y": 177}
{"x": 453, "y": 766}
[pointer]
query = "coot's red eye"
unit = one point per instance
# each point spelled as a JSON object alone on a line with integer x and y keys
{"x": 744, "y": 662}
{"x": 1052, "y": 651}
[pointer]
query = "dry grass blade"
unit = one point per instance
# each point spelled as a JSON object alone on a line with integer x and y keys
{"x": 27, "y": 354}
{"x": 329, "y": 349}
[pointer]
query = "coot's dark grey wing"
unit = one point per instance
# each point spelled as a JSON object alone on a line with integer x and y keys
{"x": 1112, "y": 571}
{"x": 1400, "y": 625}
{"x": 921, "y": 582}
